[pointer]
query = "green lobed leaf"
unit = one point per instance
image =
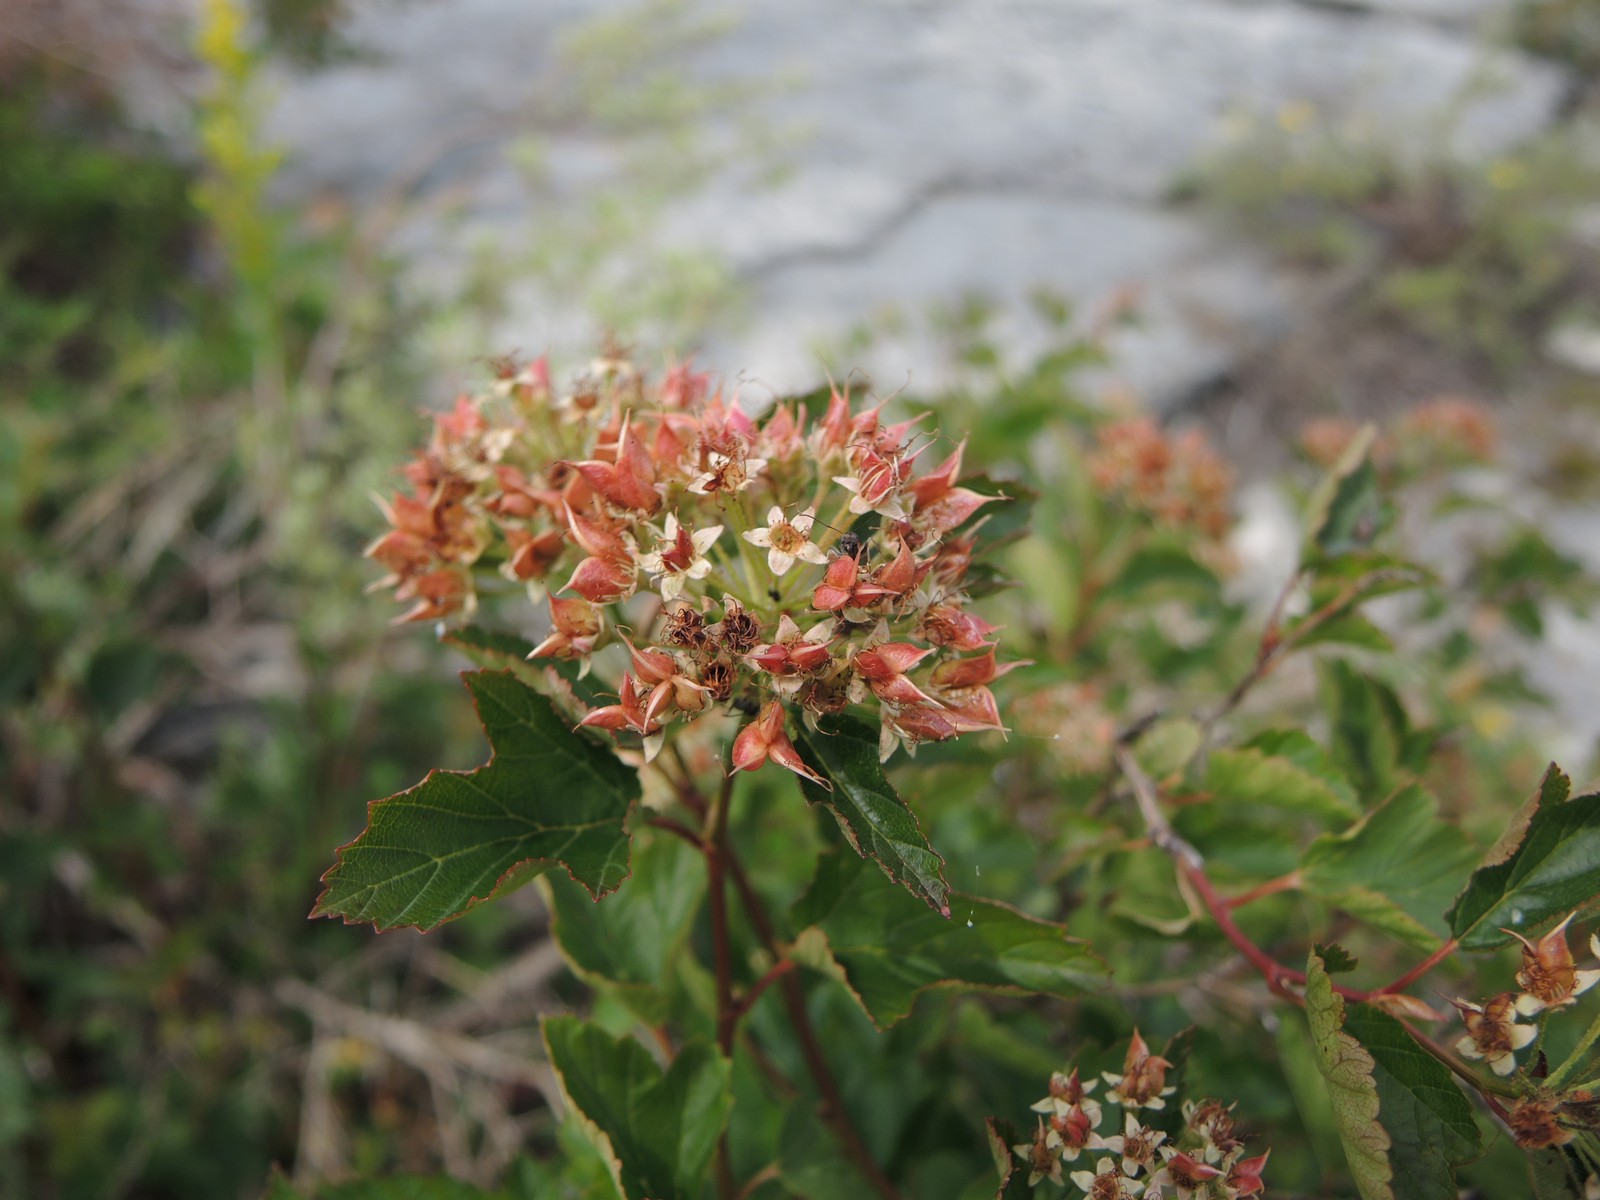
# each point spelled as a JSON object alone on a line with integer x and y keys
{"x": 886, "y": 947}
{"x": 1165, "y": 564}
{"x": 546, "y": 796}
{"x": 400, "y": 1187}
{"x": 489, "y": 648}
{"x": 1349, "y": 629}
{"x": 811, "y": 1162}
{"x": 1546, "y": 865}
{"x": 497, "y": 651}
{"x": 1395, "y": 868}
{"x": 1283, "y": 770}
{"x": 627, "y": 942}
{"x": 1346, "y": 1067}
{"x": 656, "y": 1130}
{"x": 1336, "y": 960}
{"x": 874, "y": 819}
{"x": 1011, "y": 1171}
{"x": 1168, "y": 745}
{"x": 1429, "y": 1122}
{"x": 1371, "y": 738}
{"x": 1349, "y": 511}
{"x": 1555, "y": 1174}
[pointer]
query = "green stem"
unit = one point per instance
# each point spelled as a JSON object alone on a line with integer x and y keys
{"x": 1585, "y": 1044}
{"x": 713, "y": 842}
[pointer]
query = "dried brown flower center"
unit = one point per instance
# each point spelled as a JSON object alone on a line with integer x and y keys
{"x": 788, "y": 539}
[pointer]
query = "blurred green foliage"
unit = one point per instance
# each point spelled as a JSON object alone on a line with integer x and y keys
{"x": 196, "y": 698}
{"x": 167, "y": 809}
{"x": 1479, "y": 256}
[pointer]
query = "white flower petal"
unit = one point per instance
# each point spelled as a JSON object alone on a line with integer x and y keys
{"x": 778, "y": 561}
{"x": 703, "y": 539}
{"x": 821, "y": 632}
{"x": 759, "y": 537}
{"x": 774, "y": 515}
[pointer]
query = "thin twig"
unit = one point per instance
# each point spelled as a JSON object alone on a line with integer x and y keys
{"x": 1283, "y": 883}
{"x": 833, "y": 1109}
{"x": 1275, "y": 645}
{"x": 834, "y": 1112}
{"x": 1418, "y": 971}
{"x": 677, "y": 830}
{"x": 1192, "y": 867}
{"x": 748, "y": 1000}
{"x": 767, "y": 1174}
{"x": 1156, "y": 824}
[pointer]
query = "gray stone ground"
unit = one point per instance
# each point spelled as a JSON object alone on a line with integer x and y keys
{"x": 990, "y": 146}
{"x": 946, "y": 147}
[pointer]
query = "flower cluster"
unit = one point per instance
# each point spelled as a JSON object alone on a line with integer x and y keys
{"x": 1549, "y": 979}
{"x": 1177, "y": 481}
{"x": 1078, "y": 729}
{"x": 1444, "y": 431}
{"x": 1545, "y": 1114}
{"x": 787, "y": 561}
{"x": 1205, "y": 1162}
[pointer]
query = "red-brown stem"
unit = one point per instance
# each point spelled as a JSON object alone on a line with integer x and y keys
{"x": 1277, "y": 975}
{"x": 1458, "y": 1068}
{"x": 833, "y": 1109}
{"x": 766, "y": 1175}
{"x": 1274, "y": 647}
{"x": 794, "y": 999}
{"x": 1284, "y": 883}
{"x": 688, "y": 794}
{"x": 677, "y": 830}
{"x": 1418, "y": 971}
{"x": 1188, "y": 861}
{"x": 748, "y": 1001}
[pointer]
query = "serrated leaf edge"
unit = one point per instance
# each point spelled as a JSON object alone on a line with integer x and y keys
{"x": 317, "y": 909}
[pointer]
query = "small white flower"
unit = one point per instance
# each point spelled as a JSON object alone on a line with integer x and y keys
{"x": 869, "y": 499}
{"x": 727, "y": 474}
{"x": 1138, "y": 1145}
{"x": 786, "y": 541}
{"x": 1107, "y": 1170}
{"x": 680, "y": 557}
{"x": 1493, "y": 1034}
